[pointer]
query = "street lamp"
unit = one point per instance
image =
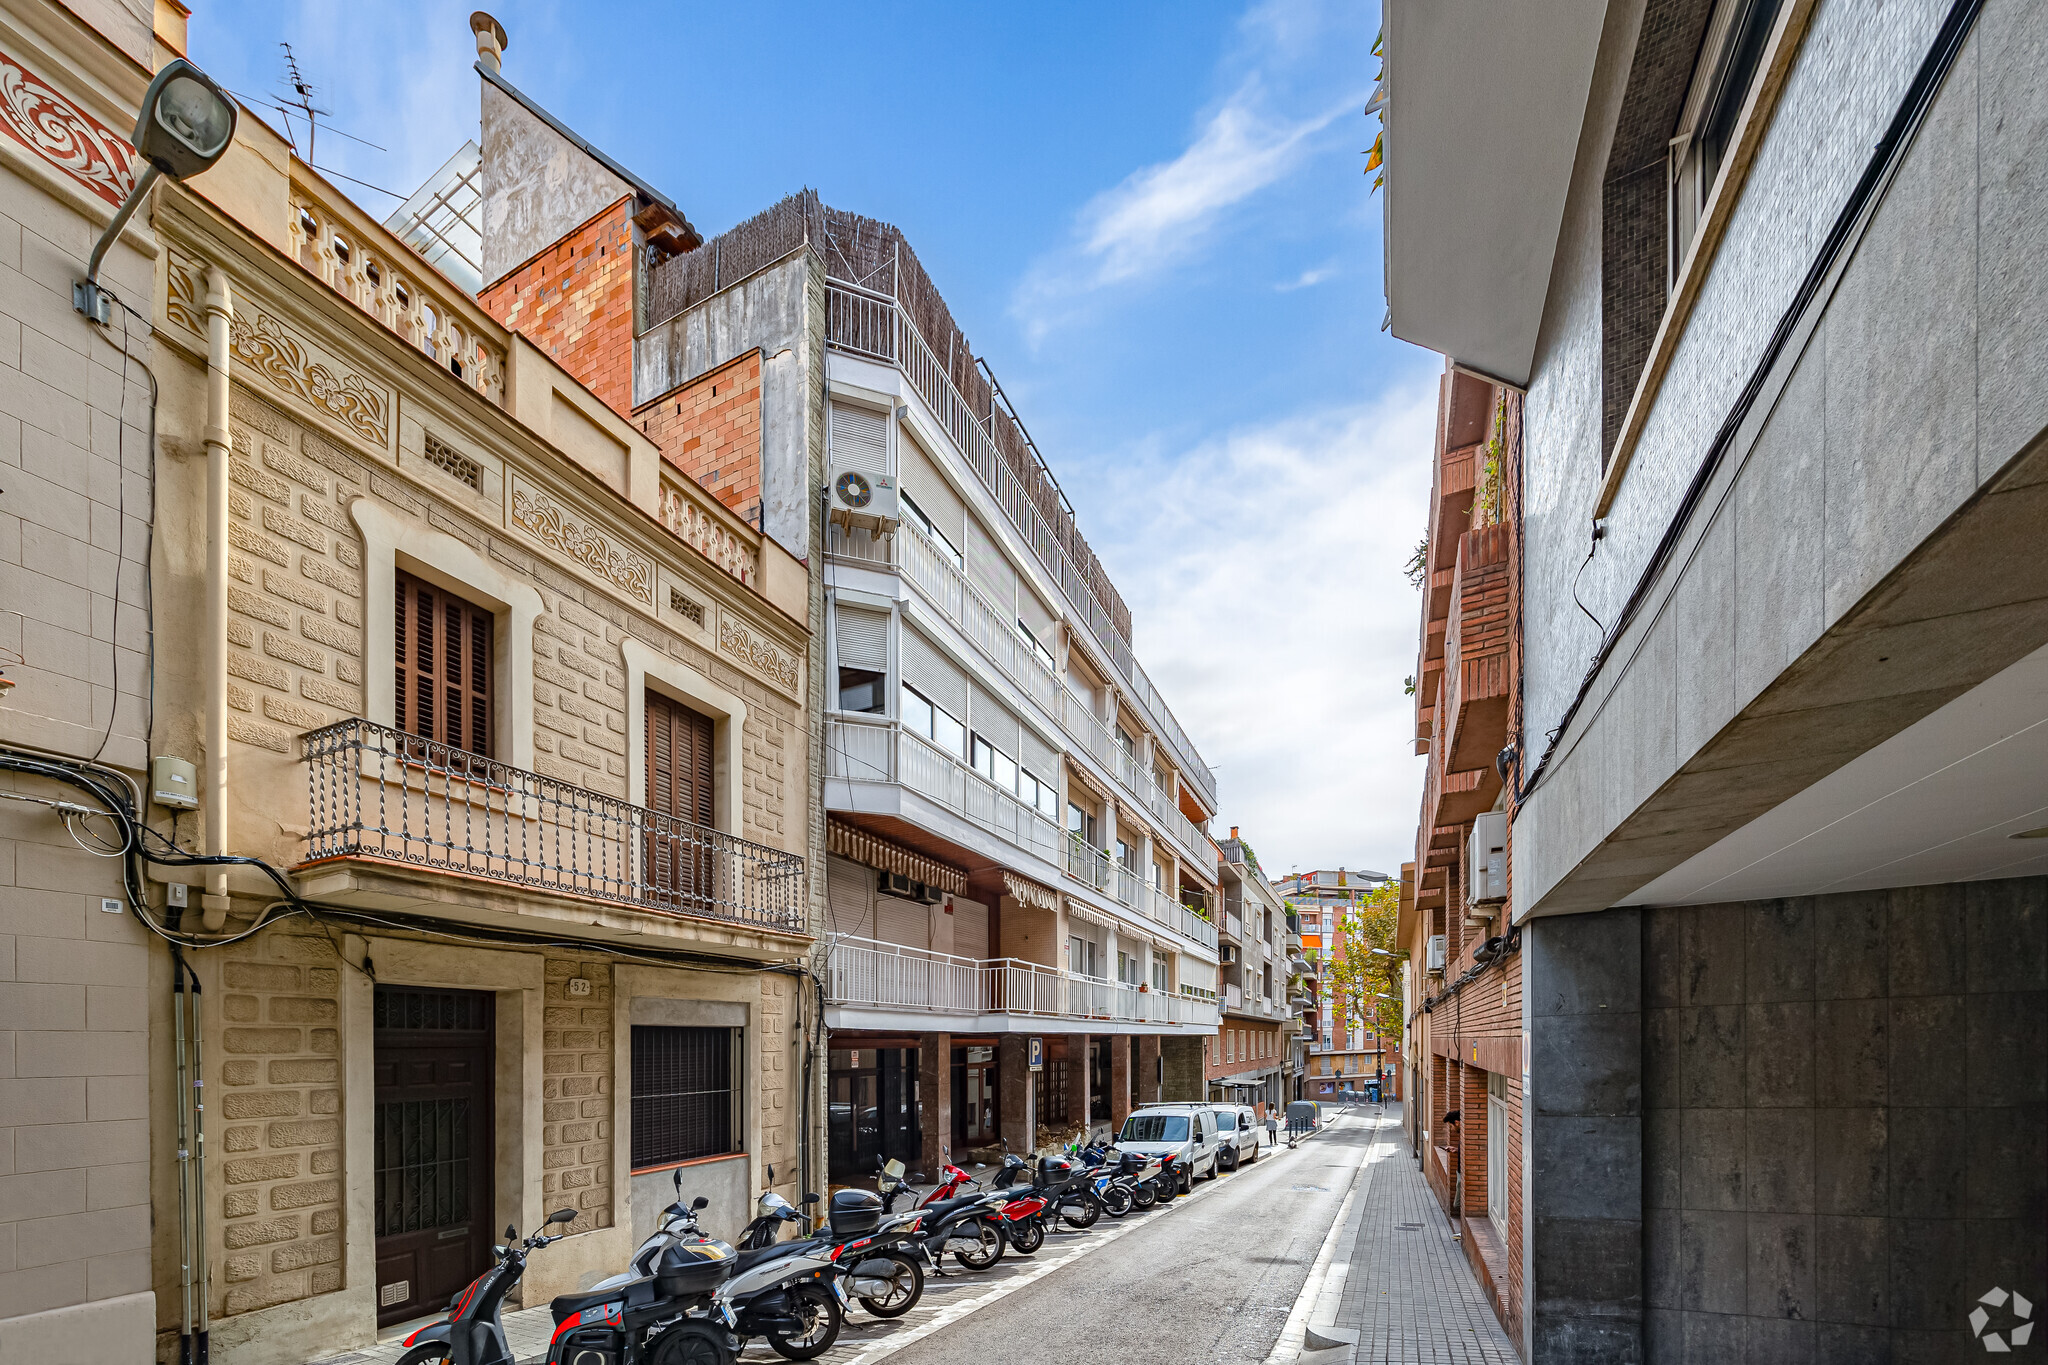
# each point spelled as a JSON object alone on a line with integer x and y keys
{"x": 185, "y": 125}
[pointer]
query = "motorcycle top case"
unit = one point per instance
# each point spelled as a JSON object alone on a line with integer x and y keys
{"x": 855, "y": 1212}
{"x": 1130, "y": 1163}
{"x": 1055, "y": 1166}
{"x": 693, "y": 1267}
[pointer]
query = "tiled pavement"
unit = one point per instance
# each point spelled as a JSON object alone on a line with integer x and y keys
{"x": 1409, "y": 1291}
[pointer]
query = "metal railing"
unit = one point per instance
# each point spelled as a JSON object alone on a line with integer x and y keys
{"x": 872, "y": 325}
{"x": 376, "y": 792}
{"x": 864, "y": 971}
{"x": 859, "y": 751}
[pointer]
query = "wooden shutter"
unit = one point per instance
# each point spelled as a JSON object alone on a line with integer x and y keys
{"x": 443, "y": 652}
{"x": 679, "y": 763}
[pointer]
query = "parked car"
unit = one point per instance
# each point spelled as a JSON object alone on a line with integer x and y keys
{"x": 1186, "y": 1131}
{"x": 1238, "y": 1135}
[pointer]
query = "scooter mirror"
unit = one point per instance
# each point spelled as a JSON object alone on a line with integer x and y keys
{"x": 918, "y": 1177}
{"x": 511, "y": 1233}
{"x": 562, "y": 1216}
{"x": 700, "y": 1202}
{"x": 811, "y": 1198}
{"x": 678, "y": 1173}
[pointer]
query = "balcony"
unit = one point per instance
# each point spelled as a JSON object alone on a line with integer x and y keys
{"x": 881, "y": 751}
{"x": 866, "y": 974}
{"x": 941, "y": 583}
{"x": 872, "y": 324}
{"x": 398, "y": 801}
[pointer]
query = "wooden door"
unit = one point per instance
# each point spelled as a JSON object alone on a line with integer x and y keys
{"x": 433, "y": 1165}
{"x": 679, "y": 858}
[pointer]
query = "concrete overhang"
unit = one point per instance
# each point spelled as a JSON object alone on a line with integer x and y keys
{"x": 1485, "y": 103}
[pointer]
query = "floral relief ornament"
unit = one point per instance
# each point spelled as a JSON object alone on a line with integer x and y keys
{"x": 284, "y": 360}
{"x": 736, "y": 640}
{"x": 560, "y": 530}
{"x": 64, "y": 135}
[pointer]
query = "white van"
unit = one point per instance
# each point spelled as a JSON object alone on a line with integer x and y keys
{"x": 1239, "y": 1135}
{"x": 1186, "y": 1131}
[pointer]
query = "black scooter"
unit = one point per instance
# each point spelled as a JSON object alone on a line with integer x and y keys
{"x": 641, "y": 1320}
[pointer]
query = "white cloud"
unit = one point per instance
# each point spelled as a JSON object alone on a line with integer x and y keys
{"x": 1263, "y": 572}
{"x": 1162, "y": 213}
{"x": 1308, "y": 279}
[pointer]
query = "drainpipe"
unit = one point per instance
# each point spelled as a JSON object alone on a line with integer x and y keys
{"x": 219, "y": 308}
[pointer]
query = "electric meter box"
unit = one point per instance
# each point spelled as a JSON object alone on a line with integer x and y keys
{"x": 173, "y": 782}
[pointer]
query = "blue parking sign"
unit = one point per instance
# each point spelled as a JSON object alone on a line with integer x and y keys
{"x": 1037, "y": 1054}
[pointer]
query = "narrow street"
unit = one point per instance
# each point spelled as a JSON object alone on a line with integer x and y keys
{"x": 1216, "y": 1274}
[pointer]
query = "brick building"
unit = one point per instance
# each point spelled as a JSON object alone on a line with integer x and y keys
{"x": 1248, "y": 1061}
{"x": 1344, "y": 1051}
{"x": 1464, "y": 967}
{"x": 1751, "y": 292}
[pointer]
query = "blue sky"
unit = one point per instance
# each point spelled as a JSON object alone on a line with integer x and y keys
{"x": 1151, "y": 220}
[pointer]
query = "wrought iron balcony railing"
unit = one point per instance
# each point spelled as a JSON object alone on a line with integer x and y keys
{"x": 376, "y": 792}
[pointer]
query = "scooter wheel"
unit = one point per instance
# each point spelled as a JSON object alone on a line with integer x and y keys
{"x": 908, "y": 1279}
{"x": 1145, "y": 1196}
{"x": 1116, "y": 1201}
{"x": 1026, "y": 1236}
{"x": 428, "y": 1353}
{"x": 819, "y": 1308}
{"x": 694, "y": 1343}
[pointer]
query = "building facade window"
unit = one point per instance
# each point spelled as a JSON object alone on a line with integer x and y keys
{"x": 686, "y": 1094}
{"x": 1497, "y": 1151}
{"x": 1727, "y": 71}
{"x": 861, "y": 642}
{"x": 1082, "y": 822}
{"x": 927, "y": 718}
{"x": 442, "y": 648}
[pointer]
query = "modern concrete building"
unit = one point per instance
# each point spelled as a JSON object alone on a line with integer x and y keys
{"x": 1768, "y": 276}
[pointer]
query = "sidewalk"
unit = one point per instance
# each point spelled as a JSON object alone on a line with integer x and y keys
{"x": 1408, "y": 1292}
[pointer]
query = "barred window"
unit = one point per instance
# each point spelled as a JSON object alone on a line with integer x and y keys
{"x": 685, "y": 1094}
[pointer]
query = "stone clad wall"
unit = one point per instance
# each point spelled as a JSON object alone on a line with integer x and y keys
{"x": 274, "y": 1131}
{"x": 577, "y": 1092}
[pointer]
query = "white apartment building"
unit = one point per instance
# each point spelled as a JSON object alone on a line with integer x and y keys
{"x": 1016, "y": 820}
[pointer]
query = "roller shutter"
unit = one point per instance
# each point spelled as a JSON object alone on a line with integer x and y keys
{"x": 930, "y": 491}
{"x": 863, "y": 637}
{"x": 933, "y": 674}
{"x": 993, "y": 722}
{"x": 989, "y": 571}
{"x": 849, "y": 894}
{"x": 1037, "y": 617}
{"x": 970, "y": 929}
{"x": 1197, "y": 973}
{"x": 860, "y": 439}
{"x": 1039, "y": 757}
{"x": 901, "y": 921}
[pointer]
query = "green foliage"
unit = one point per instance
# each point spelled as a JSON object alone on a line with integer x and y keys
{"x": 1417, "y": 567}
{"x": 1356, "y": 976}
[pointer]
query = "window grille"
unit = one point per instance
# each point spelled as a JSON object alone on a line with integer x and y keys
{"x": 685, "y": 1096}
{"x": 443, "y": 655}
{"x": 454, "y": 463}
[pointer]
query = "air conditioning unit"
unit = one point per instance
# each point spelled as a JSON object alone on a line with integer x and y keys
{"x": 1226, "y": 952}
{"x": 1436, "y": 953}
{"x": 863, "y": 499}
{"x": 1486, "y": 860}
{"x": 904, "y": 888}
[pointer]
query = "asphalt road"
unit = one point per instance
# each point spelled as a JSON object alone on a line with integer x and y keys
{"x": 1209, "y": 1279}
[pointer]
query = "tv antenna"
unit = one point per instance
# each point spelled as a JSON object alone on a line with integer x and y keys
{"x": 304, "y": 90}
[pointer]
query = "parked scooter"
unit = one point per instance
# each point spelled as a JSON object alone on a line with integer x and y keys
{"x": 1059, "y": 1187}
{"x": 969, "y": 1224}
{"x": 665, "y": 1316}
{"x": 880, "y": 1268}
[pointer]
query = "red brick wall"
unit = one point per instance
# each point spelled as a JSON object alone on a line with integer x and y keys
{"x": 1220, "y": 1063}
{"x": 710, "y": 429}
{"x": 575, "y": 301}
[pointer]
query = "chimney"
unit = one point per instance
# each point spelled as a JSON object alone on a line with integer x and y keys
{"x": 490, "y": 40}
{"x": 1233, "y": 831}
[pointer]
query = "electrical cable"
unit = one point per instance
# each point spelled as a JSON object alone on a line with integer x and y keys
{"x": 1878, "y": 171}
{"x": 121, "y": 530}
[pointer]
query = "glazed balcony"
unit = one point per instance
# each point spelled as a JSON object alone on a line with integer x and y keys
{"x": 385, "y": 802}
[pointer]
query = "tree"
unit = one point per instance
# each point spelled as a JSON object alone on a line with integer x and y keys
{"x": 1357, "y": 977}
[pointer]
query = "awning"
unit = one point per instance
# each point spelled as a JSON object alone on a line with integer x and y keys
{"x": 865, "y": 848}
{"x": 1030, "y": 893}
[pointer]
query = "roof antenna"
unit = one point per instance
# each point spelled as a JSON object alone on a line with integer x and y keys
{"x": 304, "y": 90}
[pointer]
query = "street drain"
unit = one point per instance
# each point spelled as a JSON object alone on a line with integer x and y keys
{"x": 1408, "y": 1227}
{"x": 1315, "y": 1189}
